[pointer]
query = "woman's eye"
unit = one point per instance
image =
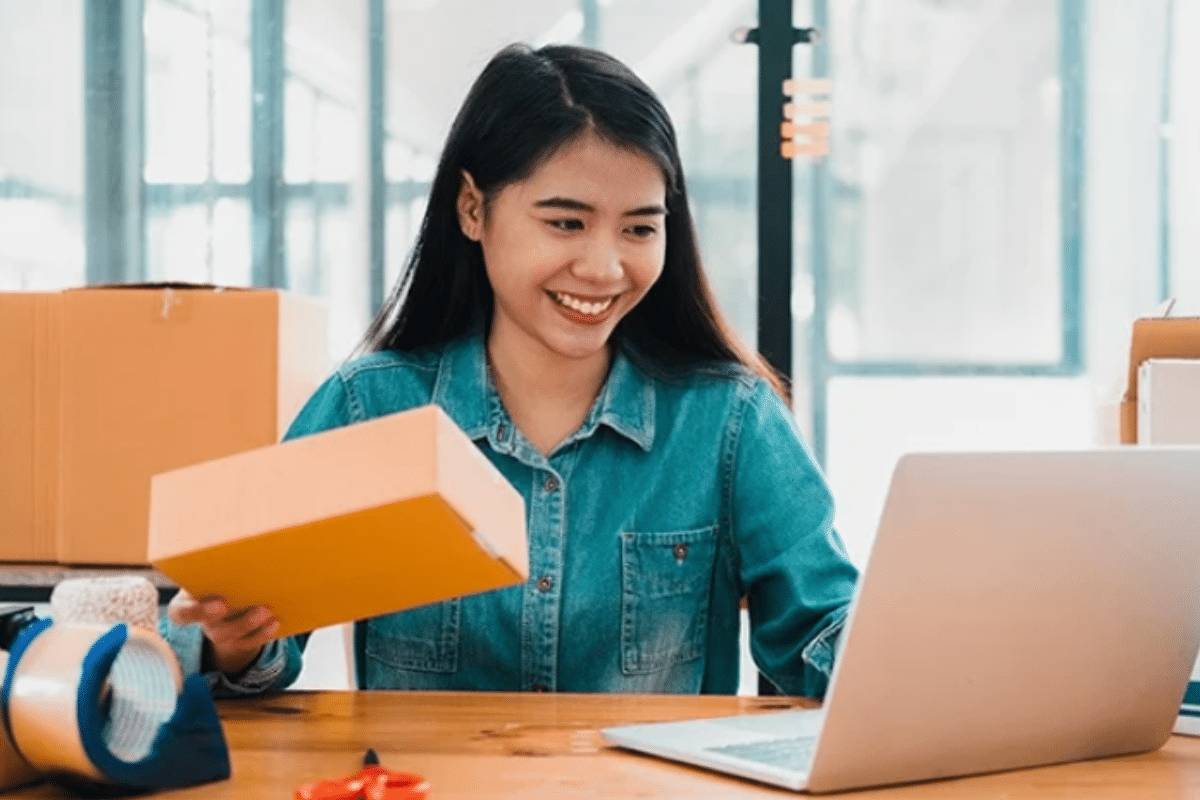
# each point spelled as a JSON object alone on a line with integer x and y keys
{"x": 566, "y": 224}
{"x": 643, "y": 231}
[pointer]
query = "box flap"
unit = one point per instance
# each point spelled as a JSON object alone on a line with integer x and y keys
{"x": 1171, "y": 337}
{"x": 1155, "y": 337}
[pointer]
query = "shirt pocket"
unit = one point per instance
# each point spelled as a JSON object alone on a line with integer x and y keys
{"x": 423, "y": 639}
{"x": 666, "y": 584}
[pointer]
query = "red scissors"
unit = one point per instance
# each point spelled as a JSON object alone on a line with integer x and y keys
{"x": 372, "y": 782}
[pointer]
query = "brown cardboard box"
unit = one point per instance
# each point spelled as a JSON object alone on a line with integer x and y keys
{"x": 129, "y": 381}
{"x": 29, "y": 373}
{"x": 1155, "y": 337}
{"x": 350, "y": 523}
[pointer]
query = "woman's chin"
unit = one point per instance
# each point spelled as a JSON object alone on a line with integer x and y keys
{"x": 577, "y": 347}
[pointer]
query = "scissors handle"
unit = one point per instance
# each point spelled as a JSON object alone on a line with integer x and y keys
{"x": 369, "y": 783}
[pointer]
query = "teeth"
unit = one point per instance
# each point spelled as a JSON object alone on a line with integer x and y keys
{"x": 575, "y": 304}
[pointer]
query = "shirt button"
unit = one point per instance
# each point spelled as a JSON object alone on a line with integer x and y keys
{"x": 544, "y": 583}
{"x": 681, "y": 551}
{"x": 551, "y": 484}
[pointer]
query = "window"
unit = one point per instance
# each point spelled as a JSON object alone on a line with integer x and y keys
{"x": 41, "y": 145}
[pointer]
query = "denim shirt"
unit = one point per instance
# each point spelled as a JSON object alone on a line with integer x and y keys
{"x": 673, "y": 500}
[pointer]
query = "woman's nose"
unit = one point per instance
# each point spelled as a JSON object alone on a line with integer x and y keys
{"x": 601, "y": 262}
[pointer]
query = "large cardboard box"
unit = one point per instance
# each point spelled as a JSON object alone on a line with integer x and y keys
{"x": 1154, "y": 337}
{"x": 350, "y": 523}
{"x": 111, "y": 385}
{"x": 1169, "y": 401}
{"x": 29, "y": 378}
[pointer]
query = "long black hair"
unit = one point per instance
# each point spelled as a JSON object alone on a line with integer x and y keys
{"x": 525, "y": 106}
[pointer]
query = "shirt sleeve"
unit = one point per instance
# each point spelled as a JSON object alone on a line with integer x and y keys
{"x": 792, "y": 564}
{"x": 279, "y": 663}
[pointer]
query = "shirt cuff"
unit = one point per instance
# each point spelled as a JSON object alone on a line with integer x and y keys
{"x": 822, "y": 651}
{"x": 262, "y": 675}
{"x": 273, "y": 669}
{"x": 186, "y": 641}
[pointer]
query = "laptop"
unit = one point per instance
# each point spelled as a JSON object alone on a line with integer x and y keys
{"x": 1017, "y": 609}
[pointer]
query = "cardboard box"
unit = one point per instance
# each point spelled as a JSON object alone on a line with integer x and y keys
{"x": 1155, "y": 337}
{"x": 29, "y": 375}
{"x": 346, "y": 524}
{"x": 112, "y": 385}
{"x": 1169, "y": 401}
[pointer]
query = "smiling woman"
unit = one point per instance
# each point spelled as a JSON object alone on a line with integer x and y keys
{"x": 556, "y": 308}
{"x": 569, "y": 252}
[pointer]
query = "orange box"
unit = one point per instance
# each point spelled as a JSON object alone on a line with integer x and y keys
{"x": 29, "y": 375}
{"x": 115, "y": 384}
{"x": 350, "y": 523}
{"x": 1155, "y": 337}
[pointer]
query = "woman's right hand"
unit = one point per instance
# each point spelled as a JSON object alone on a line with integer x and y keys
{"x": 236, "y": 635}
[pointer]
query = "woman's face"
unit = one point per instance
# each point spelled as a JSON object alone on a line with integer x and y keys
{"x": 572, "y": 249}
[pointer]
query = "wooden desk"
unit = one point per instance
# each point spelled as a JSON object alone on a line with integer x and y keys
{"x": 546, "y": 747}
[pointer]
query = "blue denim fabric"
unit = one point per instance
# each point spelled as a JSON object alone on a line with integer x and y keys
{"x": 674, "y": 499}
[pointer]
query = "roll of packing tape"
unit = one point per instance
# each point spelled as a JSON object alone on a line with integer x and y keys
{"x": 106, "y": 600}
{"x": 14, "y": 769}
{"x": 106, "y": 704}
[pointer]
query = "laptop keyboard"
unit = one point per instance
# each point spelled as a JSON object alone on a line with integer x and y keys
{"x": 795, "y": 754}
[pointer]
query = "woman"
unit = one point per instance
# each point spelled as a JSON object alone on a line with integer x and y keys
{"x": 556, "y": 308}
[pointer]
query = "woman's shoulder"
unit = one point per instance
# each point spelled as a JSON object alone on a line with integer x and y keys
{"x": 674, "y": 374}
{"x": 387, "y": 381}
{"x": 727, "y": 381}
{"x": 709, "y": 396}
{"x": 424, "y": 360}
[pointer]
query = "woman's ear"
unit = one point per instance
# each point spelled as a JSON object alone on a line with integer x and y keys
{"x": 470, "y": 208}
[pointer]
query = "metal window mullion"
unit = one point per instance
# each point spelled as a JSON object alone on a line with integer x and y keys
{"x": 114, "y": 153}
{"x": 377, "y": 186}
{"x": 1072, "y": 63}
{"x": 316, "y": 245}
{"x": 267, "y": 190}
{"x": 775, "y": 40}
{"x": 924, "y": 369}
{"x": 590, "y": 9}
{"x": 1164, "y": 155}
{"x": 820, "y": 366}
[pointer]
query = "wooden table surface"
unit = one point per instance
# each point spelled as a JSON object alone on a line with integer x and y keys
{"x": 547, "y": 747}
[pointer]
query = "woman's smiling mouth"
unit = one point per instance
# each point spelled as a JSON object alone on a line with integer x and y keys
{"x": 581, "y": 307}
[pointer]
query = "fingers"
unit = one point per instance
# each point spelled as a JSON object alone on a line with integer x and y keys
{"x": 226, "y": 628}
{"x": 237, "y": 638}
{"x": 183, "y": 609}
{"x": 242, "y": 629}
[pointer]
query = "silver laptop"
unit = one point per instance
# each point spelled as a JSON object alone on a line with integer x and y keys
{"x": 1017, "y": 609}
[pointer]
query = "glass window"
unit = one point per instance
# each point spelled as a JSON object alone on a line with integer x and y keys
{"x": 1182, "y": 164}
{"x": 945, "y": 167}
{"x": 41, "y": 144}
{"x": 945, "y": 244}
{"x": 324, "y": 161}
{"x": 197, "y": 157}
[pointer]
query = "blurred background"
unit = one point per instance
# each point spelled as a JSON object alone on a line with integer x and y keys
{"x": 1011, "y": 182}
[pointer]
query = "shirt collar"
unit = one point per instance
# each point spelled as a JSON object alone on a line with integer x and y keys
{"x": 465, "y": 392}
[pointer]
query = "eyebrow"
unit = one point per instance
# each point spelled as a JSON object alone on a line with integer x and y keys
{"x": 567, "y": 204}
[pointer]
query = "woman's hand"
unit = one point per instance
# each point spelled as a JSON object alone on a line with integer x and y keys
{"x": 236, "y": 635}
